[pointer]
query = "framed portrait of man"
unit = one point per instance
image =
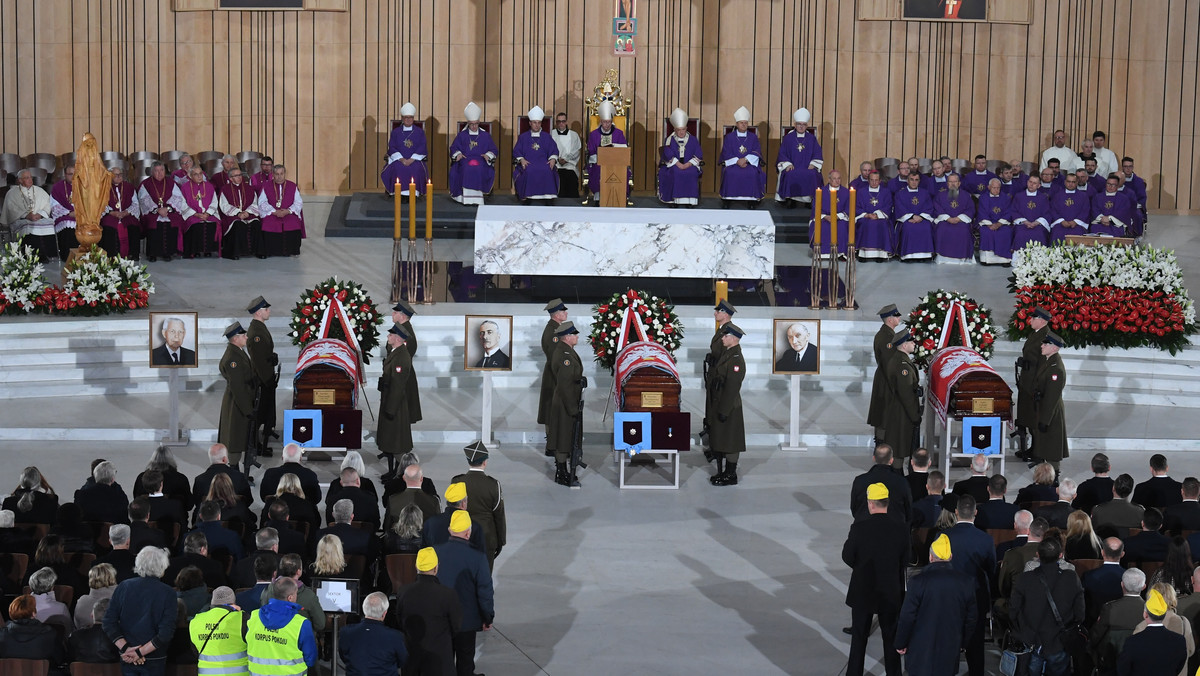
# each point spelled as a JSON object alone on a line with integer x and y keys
{"x": 172, "y": 340}
{"x": 945, "y": 10}
{"x": 797, "y": 346}
{"x": 488, "y": 341}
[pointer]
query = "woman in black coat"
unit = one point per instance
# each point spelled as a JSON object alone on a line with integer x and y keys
{"x": 34, "y": 500}
{"x": 25, "y": 637}
{"x": 175, "y": 485}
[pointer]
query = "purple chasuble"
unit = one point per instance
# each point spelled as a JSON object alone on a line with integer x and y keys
{"x": 406, "y": 142}
{"x": 976, "y": 182}
{"x": 915, "y": 239}
{"x": 538, "y": 179}
{"x": 1117, "y": 207}
{"x": 674, "y": 182}
{"x": 874, "y": 236}
{"x": 61, "y": 193}
{"x": 596, "y": 140}
{"x": 748, "y": 182}
{"x": 955, "y": 240}
{"x": 1030, "y": 215}
{"x": 472, "y": 170}
{"x": 1070, "y": 213}
{"x": 995, "y": 246}
{"x": 801, "y": 181}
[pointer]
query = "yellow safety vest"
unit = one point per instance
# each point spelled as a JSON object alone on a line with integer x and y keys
{"x": 275, "y": 652}
{"x": 225, "y": 651}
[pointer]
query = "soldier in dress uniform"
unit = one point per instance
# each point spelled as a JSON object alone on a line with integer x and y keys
{"x": 394, "y": 435}
{"x": 1027, "y": 368}
{"x": 724, "y": 403}
{"x": 902, "y": 412}
{"x": 565, "y": 404}
{"x": 883, "y": 354}
{"x": 402, "y": 314}
{"x": 237, "y": 405}
{"x": 485, "y": 500}
{"x": 723, "y": 313}
{"x": 261, "y": 347}
{"x": 1050, "y": 435}
{"x": 558, "y": 315}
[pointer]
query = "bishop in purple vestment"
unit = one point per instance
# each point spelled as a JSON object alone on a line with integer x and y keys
{"x": 63, "y": 213}
{"x": 1112, "y": 212}
{"x": 799, "y": 161}
{"x": 914, "y": 212}
{"x": 743, "y": 176}
{"x": 604, "y": 136}
{"x": 160, "y": 202}
{"x": 122, "y": 232}
{"x": 282, "y": 213}
{"x": 240, "y": 224}
{"x": 679, "y": 164}
{"x": 471, "y": 158}
{"x": 995, "y": 228}
{"x": 535, "y": 161}
{"x": 1070, "y": 211}
{"x": 831, "y": 193}
{"x": 201, "y": 217}
{"x": 406, "y": 155}
{"x": 976, "y": 181}
{"x": 875, "y": 236}
{"x": 1030, "y": 215}
{"x": 953, "y": 230}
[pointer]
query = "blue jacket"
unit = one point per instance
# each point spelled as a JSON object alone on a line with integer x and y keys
{"x": 276, "y": 614}
{"x": 464, "y": 569}
{"x": 973, "y": 554}
{"x": 251, "y": 599}
{"x": 371, "y": 649}
{"x": 142, "y": 609}
{"x": 219, "y": 537}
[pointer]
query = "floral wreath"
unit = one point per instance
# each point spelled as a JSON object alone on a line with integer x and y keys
{"x": 658, "y": 317}
{"x": 95, "y": 284}
{"x": 926, "y": 320}
{"x": 306, "y": 316}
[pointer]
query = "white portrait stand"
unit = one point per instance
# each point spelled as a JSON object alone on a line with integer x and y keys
{"x": 793, "y": 444}
{"x": 174, "y": 435}
{"x": 486, "y": 425}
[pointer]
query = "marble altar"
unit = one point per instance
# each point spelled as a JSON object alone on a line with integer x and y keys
{"x": 589, "y": 241}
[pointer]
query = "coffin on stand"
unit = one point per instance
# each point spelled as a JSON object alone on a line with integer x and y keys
{"x": 964, "y": 387}
{"x": 648, "y": 421}
{"x": 325, "y": 398}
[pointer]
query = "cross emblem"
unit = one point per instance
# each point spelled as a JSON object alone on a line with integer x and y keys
{"x": 1108, "y": 204}
{"x": 800, "y": 147}
{"x": 407, "y": 143}
{"x": 874, "y": 201}
{"x": 536, "y": 146}
{"x": 954, "y": 204}
{"x": 472, "y": 144}
{"x": 916, "y": 201}
{"x": 1031, "y": 205}
{"x": 741, "y": 150}
{"x": 951, "y": 12}
{"x": 1070, "y": 202}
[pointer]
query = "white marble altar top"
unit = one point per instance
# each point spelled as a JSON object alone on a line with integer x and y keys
{"x": 583, "y": 241}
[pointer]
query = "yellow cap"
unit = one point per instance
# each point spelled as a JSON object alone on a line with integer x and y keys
{"x": 941, "y": 547}
{"x": 456, "y": 492}
{"x": 460, "y": 521}
{"x": 426, "y": 560}
{"x": 877, "y": 492}
{"x": 1155, "y": 603}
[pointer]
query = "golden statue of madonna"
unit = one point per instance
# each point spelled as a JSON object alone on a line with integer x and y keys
{"x": 89, "y": 194}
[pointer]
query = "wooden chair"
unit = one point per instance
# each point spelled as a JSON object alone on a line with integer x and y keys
{"x": 485, "y": 126}
{"x": 83, "y": 562}
{"x": 14, "y": 666}
{"x": 1083, "y": 566}
{"x": 356, "y": 564}
{"x": 1032, "y": 505}
{"x": 1149, "y": 567}
{"x": 63, "y": 593}
{"x": 1001, "y": 535}
{"x": 303, "y": 526}
{"x": 364, "y": 525}
{"x": 20, "y": 563}
{"x": 401, "y": 569}
{"x": 86, "y": 669}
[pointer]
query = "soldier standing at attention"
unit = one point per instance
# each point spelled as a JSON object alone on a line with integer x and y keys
{"x": 723, "y": 313}
{"x": 567, "y": 370}
{"x": 883, "y": 354}
{"x": 485, "y": 501}
{"x": 724, "y": 403}
{"x": 263, "y": 359}
{"x": 402, "y": 314}
{"x": 902, "y": 412}
{"x": 558, "y": 315}
{"x": 1027, "y": 371}
{"x": 237, "y": 405}
{"x": 1050, "y": 436}
{"x": 394, "y": 435}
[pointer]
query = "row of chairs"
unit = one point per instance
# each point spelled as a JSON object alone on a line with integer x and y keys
{"x": 48, "y": 168}
{"x": 889, "y": 167}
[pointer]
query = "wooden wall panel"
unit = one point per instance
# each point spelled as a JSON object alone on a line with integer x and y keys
{"x": 317, "y": 90}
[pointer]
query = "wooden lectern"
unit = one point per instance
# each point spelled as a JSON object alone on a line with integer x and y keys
{"x": 614, "y": 166}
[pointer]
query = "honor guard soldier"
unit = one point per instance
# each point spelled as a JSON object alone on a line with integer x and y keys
{"x": 1027, "y": 369}
{"x": 237, "y": 405}
{"x": 883, "y": 354}
{"x": 564, "y": 419}
{"x": 485, "y": 500}
{"x": 558, "y": 315}
{"x": 402, "y": 314}
{"x": 1050, "y": 435}
{"x": 724, "y": 403}
{"x": 902, "y": 411}
{"x": 265, "y": 362}
{"x": 394, "y": 434}
{"x": 723, "y": 313}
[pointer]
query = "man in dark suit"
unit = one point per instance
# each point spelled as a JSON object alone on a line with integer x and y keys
{"x": 975, "y": 485}
{"x": 90, "y": 644}
{"x": 1098, "y": 489}
{"x": 1022, "y": 521}
{"x": 366, "y": 505}
{"x": 164, "y": 511}
{"x": 103, "y": 499}
{"x": 370, "y": 646}
{"x": 975, "y": 555}
{"x": 927, "y": 510}
{"x": 900, "y": 502}
{"x": 217, "y": 536}
{"x": 218, "y": 458}
{"x": 354, "y": 540}
{"x": 490, "y": 340}
{"x": 464, "y": 569}
{"x": 1160, "y": 490}
{"x": 292, "y": 455}
{"x": 801, "y": 356}
{"x": 266, "y": 543}
{"x": 1148, "y": 545}
{"x": 291, "y": 541}
{"x": 1185, "y": 515}
{"x": 265, "y": 566}
{"x": 1118, "y": 515}
{"x": 877, "y": 551}
{"x": 411, "y": 495}
{"x": 195, "y": 553}
{"x": 1057, "y": 513}
{"x": 430, "y": 615}
{"x": 1157, "y": 650}
{"x": 1117, "y": 621}
{"x": 938, "y": 615}
{"x": 995, "y": 512}
{"x": 141, "y": 533}
{"x": 918, "y": 474}
{"x": 1104, "y": 583}
{"x": 1030, "y": 608}
{"x": 172, "y": 352}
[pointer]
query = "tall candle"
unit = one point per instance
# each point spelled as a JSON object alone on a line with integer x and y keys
{"x": 818, "y": 216}
{"x": 398, "y": 227}
{"x": 722, "y": 292}
{"x": 412, "y": 209}
{"x": 429, "y": 209}
{"x": 833, "y": 219}
{"x": 853, "y": 209}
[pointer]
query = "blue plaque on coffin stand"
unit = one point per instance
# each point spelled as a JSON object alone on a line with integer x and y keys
{"x": 631, "y": 432}
{"x": 302, "y": 427}
{"x": 983, "y": 435}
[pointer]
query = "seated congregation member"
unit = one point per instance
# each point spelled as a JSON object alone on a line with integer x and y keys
{"x": 404, "y": 536}
{"x": 293, "y": 457}
{"x": 604, "y": 136}
{"x": 1112, "y": 214}
{"x": 1106, "y": 158}
{"x": 217, "y": 536}
{"x": 1018, "y": 176}
{"x": 49, "y": 609}
{"x": 406, "y": 155}
{"x": 1030, "y": 215}
{"x": 291, "y": 540}
{"x": 1161, "y": 489}
{"x": 1185, "y": 515}
{"x": 141, "y": 533}
{"x": 104, "y": 499}
{"x": 191, "y": 590}
{"x": 1070, "y": 211}
{"x": 330, "y": 560}
{"x": 26, "y": 636}
{"x": 89, "y": 644}
{"x": 354, "y": 540}
{"x": 535, "y": 158}
{"x": 1118, "y": 514}
{"x": 184, "y": 172}
{"x": 953, "y": 228}
{"x": 976, "y": 181}
{"x": 164, "y": 511}
{"x": 1055, "y": 178}
{"x": 159, "y": 202}
{"x": 995, "y": 229}
{"x": 1041, "y": 489}
{"x": 290, "y": 493}
{"x": 412, "y": 494}
{"x": 266, "y": 543}
{"x": 231, "y": 507}
{"x": 195, "y": 553}
{"x": 679, "y": 169}
{"x": 27, "y": 211}
{"x": 221, "y": 178}
{"x": 121, "y": 557}
{"x": 1082, "y": 541}
{"x": 201, "y": 214}
{"x": 1096, "y": 490}
{"x": 471, "y": 158}
{"x": 63, "y": 212}
{"x": 265, "y": 174}
{"x": 34, "y": 500}
{"x": 830, "y": 193}
{"x": 282, "y": 213}
{"x": 1057, "y": 513}
{"x": 743, "y": 176}
{"x": 1047, "y": 186}
{"x": 799, "y": 161}
{"x": 996, "y": 512}
{"x": 913, "y": 209}
{"x": 69, "y": 526}
{"x": 366, "y": 505}
{"x": 875, "y": 238}
{"x": 1149, "y": 544}
{"x": 354, "y": 460}
{"x": 239, "y": 218}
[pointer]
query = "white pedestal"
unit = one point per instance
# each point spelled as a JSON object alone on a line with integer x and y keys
{"x": 793, "y": 445}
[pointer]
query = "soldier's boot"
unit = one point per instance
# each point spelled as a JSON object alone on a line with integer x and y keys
{"x": 391, "y": 473}
{"x": 264, "y": 448}
{"x": 729, "y": 477}
{"x": 561, "y": 476}
{"x": 1022, "y": 444}
{"x": 720, "y": 471}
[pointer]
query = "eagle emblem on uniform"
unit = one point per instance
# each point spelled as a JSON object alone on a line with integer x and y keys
{"x": 257, "y": 338}
{"x": 233, "y": 364}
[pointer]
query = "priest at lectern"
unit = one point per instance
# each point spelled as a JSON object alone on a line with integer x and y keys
{"x": 604, "y": 136}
